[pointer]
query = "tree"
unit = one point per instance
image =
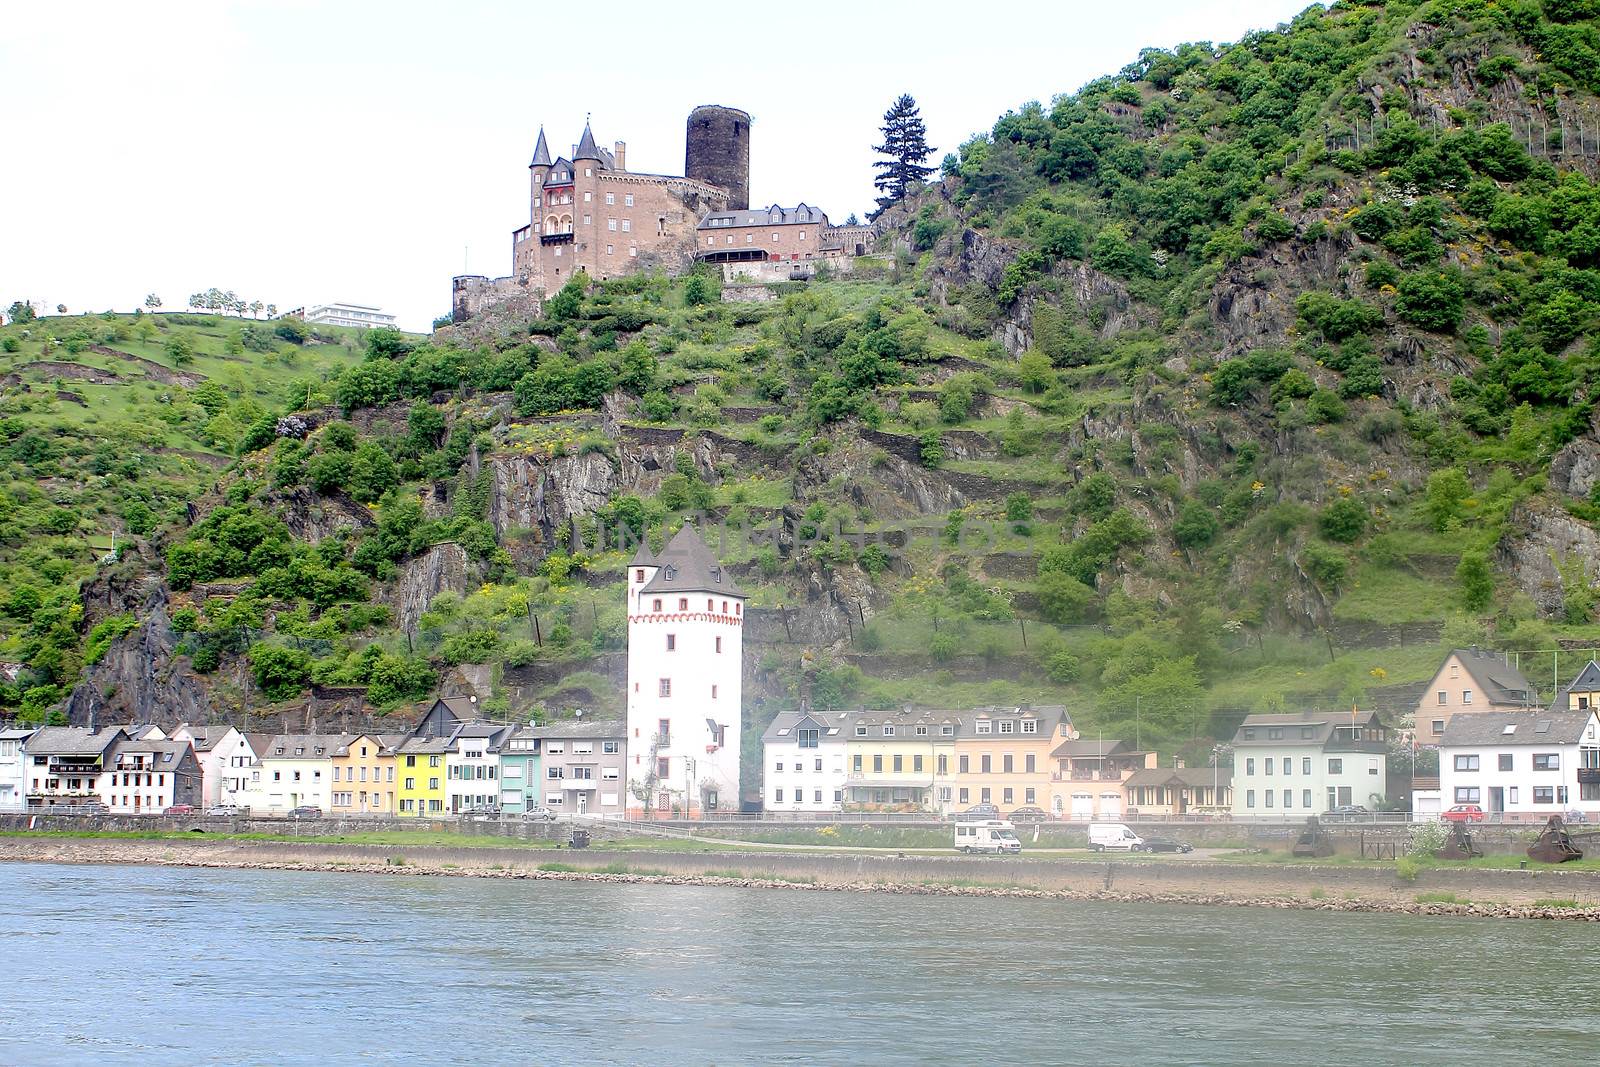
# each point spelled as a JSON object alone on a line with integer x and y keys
{"x": 61, "y": 309}
{"x": 905, "y": 144}
{"x": 851, "y": 220}
{"x": 21, "y": 311}
{"x": 272, "y": 311}
{"x": 255, "y": 309}
{"x": 1477, "y": 581}
{"x": 152, "y": 301}
{"x": 1344, "y": 520}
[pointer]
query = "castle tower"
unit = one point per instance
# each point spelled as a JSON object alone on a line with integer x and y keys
{"x": 717, "y": 151}
{"x": 530, "y": 264}
{"x": 685, "y": 679}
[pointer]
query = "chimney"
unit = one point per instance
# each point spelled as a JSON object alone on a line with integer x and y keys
{"x": 1177, "y": 764}
{"x": 620, "y": 150}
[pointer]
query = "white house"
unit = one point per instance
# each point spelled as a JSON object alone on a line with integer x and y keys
{"x": 685, "y": 679}
{"x": 804, "y": 761}
{"x": 291, "y": 771}
{"x": 472, "y": 769}
{"x": 225, "y": 757}
{"x": 65, "y": 764}
{"x": 1520, "y": 766}
{"x": 1307, "y": 763}
{"x": 13, "y": 770}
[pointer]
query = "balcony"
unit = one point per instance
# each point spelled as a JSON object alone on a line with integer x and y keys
{"x": 1588, "y": 775}
{"x": 73, "y": 770}
{"x": 556, "y": 238}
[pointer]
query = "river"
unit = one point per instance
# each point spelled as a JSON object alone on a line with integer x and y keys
{"x": 112, "y": 965}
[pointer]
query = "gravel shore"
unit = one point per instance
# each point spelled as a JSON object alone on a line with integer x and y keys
{"x": 567, "y": 865}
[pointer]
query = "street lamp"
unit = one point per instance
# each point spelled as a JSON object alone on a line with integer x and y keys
{"x": 688, "y": 786}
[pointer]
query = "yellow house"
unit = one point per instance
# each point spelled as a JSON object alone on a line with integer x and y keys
{"x": 364, "y": 776}
{"x": 900, "y": 760}
{"x": 1003, "y": 756}
{"x": 419, "y": 771}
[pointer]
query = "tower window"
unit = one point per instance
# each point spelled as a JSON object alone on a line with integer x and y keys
{"x": 638, "y": 575}
{"x": 655, "y": 605}
{"x": 627, "y": 200}
{"x": 713, "y": 692}
{"x": 672, "y": 642}
{"x": 664, "y": 688}
{"x": 719, "y": 644}
{"x": 683, "y": 603}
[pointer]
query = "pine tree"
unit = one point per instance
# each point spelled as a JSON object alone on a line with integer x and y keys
{"x": 905, "y": 144}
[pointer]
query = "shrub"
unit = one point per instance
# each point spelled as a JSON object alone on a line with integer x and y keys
{"x": 1433, "y": 300}
{"x": 1195, "y": 526}
{"x": 1477, "y": 581}
{"x": 1063, "y": 598}
{"x": 1326, "y": 566}
{"x": 943, "y": 647}
{"x": 930, "y": 448}
{"x": 1295, "y": 384}
{"x": 1325, "y": 406}
{"x": 1344, "y": 520}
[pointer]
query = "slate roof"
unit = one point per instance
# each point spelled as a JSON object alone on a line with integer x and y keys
{"x": 164, "y": 754}
{"x": 586, "y": 146}
{"x": 1321, "y": 723}
{"x": 73, "y": 741}
{"x": 830, "y": 725}
{"x": 1587, "y": 681}
{"x": 309, "y": 746}
{"x": 643, "y": 557}
{"x": 431, "y": 746}
{"x": 1190, "y": 777}
{"x": 1092, "y": 749}
{"x": 687, "y": 566}
{"x": 1488, "y": 728}
{"x": 16, "y": 735}
{"x": 541, "y": 151}
{"x": 465, "y": 709}
{"x": 799, "y": 215}
{"x": 205, "y": 738}
{"x": 1497, "y": 679}
{"x": 386, "y": 744}
{"x": 558, "y": 729}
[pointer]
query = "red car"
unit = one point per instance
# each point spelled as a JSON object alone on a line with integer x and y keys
{"x": 1463, "y": 813}
{"x": 180, "y": 809}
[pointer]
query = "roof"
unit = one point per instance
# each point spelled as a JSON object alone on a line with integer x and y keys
{"x": 1192, "y": 777}
{"x": 170, "y": 751}
{"x": 433, "y": 746}
{"x": 1093, "y": 749}
{"x": 384, "y": 743}
{"x": 643, "y": 557}
{"x": 541, "y": 151}
{"x": 205, "y": 738}
{"x": 687, "y": 566}
{"x": 493, "y": 734}
{"x": 1496, "y": 677}
{"x": 16, "y": 735}
{"x": 776, "y": 215}
{"x": 831, "y": 725}
{"x": 72, "y": 741}
{"x": 1587, "y": 681}
{"x": 1489, "y": 728}
{"x": 586, "y": 147}
{"x": 1320, "y": 723}
{"x": 302, "y": 746}
{"x": 581, "y": 728}
{"x": 258, "y": 743}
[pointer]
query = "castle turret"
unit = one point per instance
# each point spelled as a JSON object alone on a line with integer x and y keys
{"x": 717, "y": 151}
{"x": 586, "y": 149}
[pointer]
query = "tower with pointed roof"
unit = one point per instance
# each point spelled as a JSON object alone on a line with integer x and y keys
{"x": 685, "y": 679}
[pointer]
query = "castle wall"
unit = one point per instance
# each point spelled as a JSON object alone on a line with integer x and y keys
{"x": 717, "y": 151}
{"x": 782, "y": 241}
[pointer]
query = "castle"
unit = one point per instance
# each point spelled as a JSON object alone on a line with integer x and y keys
{"x": 588, "y": 212}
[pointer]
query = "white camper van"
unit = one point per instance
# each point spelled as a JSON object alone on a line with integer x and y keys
{"x": 990, "y": 835}
{"x": 1114, "y": 837}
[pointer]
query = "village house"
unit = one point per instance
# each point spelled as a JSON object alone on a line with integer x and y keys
{"x": 363, "y": 768}
{"x": 420, "y": 765}
{"x": 445, "y": 714}
{"x": 225, "y": 757}
{"x": 14, "y": 769}
{"x": 148, "y": 777}
{"x": 1003, "y": 755}
{"x": 1299, "y": 764}
{"x": 1519, "y": 766}
{"x": 1583, "y": 693}
{"x": 584, "y": 763}
{"x": 805, "y": 759}
{"x": 685, "y": 679}
{"x": 472, "y": 774}
{"x": 519, "y": 772}
{"x": 65, "y": 764}
{"x": 292, "y": 771}
{"x": 901, "y": 760}
{"x": 1470, "y": 679}
{"x": 1087, "y": 782}
{"x": 1178, "y": 791}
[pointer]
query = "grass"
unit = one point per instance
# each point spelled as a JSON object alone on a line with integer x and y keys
{"x": 1441, "y": 898}
{"x": 1556, "y": 903}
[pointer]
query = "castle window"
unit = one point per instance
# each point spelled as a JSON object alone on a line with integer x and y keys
{"x": 611, "y": 198}
{"x": 588, "y": 220}
{"x": 738, "y": 609}
{"x": 802, "y": 235}
{"x": 537, "y": 201}
{"x": 709, "y": 240}
{"x": 775, "y": 236}
{"x": 672, "y": 642}
{"x": 611, "y": 224}
{"x": 730, "y": 238}
{"x": 724, "y": 607}
{"x": 749, "y": 238}
{"x": 719, "y": 644}
{"x": 713, "y": 692}
{"x": 661, "y": 227}
{"x": 627, "y": 225}
{"x": 587, "y": 197}
{"x": 608, "y": 250}
{"x": 638, "y": 575}
{"x": 683, "y": 603}
{"x": 627, "y": 200}
{"x": 710, "y": 604}
{"x": 588, "y": 172}
{"x": 655, "y": 605}
{"x": 633, "y": 253}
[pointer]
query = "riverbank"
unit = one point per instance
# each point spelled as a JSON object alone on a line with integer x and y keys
{"x": 1532, "y": 894}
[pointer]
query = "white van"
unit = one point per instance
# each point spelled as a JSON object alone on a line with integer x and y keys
{"x": 990, "y": 835}
{"x": 1114, "y": 837}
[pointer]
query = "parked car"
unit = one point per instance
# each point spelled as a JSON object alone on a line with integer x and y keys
{"x": 306, "y": 811}
{"x": 1028, "y": 814}
{"x": 93, "y": 807}
{"x": 538, "y": 813}
{"x": 1346, "y": 813}
{"x": 182, "y": 809}
{"x": 1114, "y": 837}
{"x": 1166, "y": 844}
{"x": 223, "y": 811}
{"x": 980, "y": 811}
{"x": 1463, "y": 813}
{"x": 481, "y": 813}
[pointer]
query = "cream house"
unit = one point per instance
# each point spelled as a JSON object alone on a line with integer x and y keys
{"x": 1470, "y": 679}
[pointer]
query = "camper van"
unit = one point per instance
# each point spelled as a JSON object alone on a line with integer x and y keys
{"x": 1114, "y": 837}
{"x": 990, "y": 835}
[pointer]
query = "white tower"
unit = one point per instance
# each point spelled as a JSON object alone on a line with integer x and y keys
{"x": 685, "y": 679}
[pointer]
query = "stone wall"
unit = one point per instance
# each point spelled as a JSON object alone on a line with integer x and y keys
{"x": 768, "y": 271}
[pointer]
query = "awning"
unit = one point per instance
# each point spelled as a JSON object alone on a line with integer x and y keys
{"x": 888, "y": 783}
{"x": 580, "y": 787}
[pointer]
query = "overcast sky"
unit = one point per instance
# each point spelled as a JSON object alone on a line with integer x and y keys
{"x": 303, "y": 153}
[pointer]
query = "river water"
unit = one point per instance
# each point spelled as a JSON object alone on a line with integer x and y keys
{"x": 113, "y": 965}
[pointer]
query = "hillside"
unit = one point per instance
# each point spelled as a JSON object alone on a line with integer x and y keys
{"x": 1251, "y": 376}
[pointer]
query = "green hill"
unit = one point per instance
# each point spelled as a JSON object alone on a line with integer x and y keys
{"x": 1254, "y": 375}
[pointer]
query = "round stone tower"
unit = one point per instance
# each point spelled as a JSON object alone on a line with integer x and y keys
{"x": 717, "y": 151}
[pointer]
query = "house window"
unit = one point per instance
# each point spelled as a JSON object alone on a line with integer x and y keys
{"x": 1006, "y": 763}
{"x": 588, "y": 220}
{"x": 1266, "y": 796}
{"x": 1008, "y": 727}
{"x": 808, "y": 739}
{"x": 1266, "y": 766}
{"x": 861, "y": 731}
{"x": 611, "y": 224}
{"x": 633, "y": 253}
{"x": 1438, "y": 727}
{"x": 819, "y": 765}
{"x": 1305, "y": 798}
{"x": 774, "y": 237}
{"x": 984, "y": 794}
{"x": 1505, "y": 761}
{"x": 877, "y": 764}
{"x": 985, "y": 726}
{"x": 947, "y": 731}
{"x": 1247, "y": 734}
{"x": 1336, "y": 766}
{"x": 944, "y": 764}
{"x": 1249, "y": 798}
{"x": 611, "y": 198}
{"x": 1305, "y": 767}
{"x": 1547, "y": 761}
{"x": 983, "y": 763}
{"x": 713, "y": 692}
{"x": 664, "y": 731}
{"x": 777, "y": 796}
{"x": 899, "y": 764}
{"x": 1444, "y": 698}
{"x": 921, "y": 731}
{"x": 627, "y": 225}
{"x": 664, "y": 687}
{"x": 1305, "y": 733}
{"x": 1288, "y": 798}
{"x": 1250, "y": 766}
{"x": 662, "y": 768}
{"x": 608, "y": 747}
{"x": 916, "y": 764}
{"x": 1274, "y": 733}
{"x": 1466, "y": 696}
{"x": 1030, "y": 726}
{"x": 888, "y": 729}
{"x": 855, "y": 764}
{"x": 1466, "y": 763}
{"x": 1544, "y": 794}
{"x": 964, "y": 763}
{"x": 802, "y": 235}
{"x": 1007, "y": 796}
{"x": 965, "y": 796}
{"x": 1288, "y": 765}
{"x": 608, "y": 250}
{"x": 1027, "y": 763}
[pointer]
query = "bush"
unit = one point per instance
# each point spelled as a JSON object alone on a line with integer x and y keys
{"x": 1343, "y": 521}
{"x": 1433, "y": 300}
{"x": 1326, "y": 566}
{"x": 1325, "y": 406}
{"x": 943, "y": 647}
{"x": 280, "y": 671}
{"x": 930, "y": 448}
{"x": 1195, "y": 525}
{"x": 1477, "y": 581}
{"x": 1063, "y": 598}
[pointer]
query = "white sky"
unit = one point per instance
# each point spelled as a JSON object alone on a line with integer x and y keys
{"x": 302, "y": 153}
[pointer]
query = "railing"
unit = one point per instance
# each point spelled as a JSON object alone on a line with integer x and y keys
{"x": 556, "y": 238}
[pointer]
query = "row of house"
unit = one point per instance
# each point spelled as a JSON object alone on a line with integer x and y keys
{"x": 917, "y": 760}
